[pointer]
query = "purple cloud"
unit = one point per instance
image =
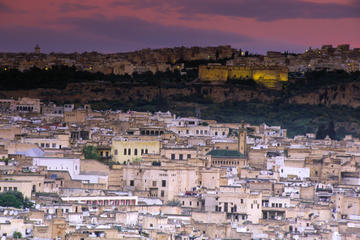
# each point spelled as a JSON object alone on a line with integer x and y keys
{"x": 5, "y": 9}
{"x": 112, "y": 35}
{"x": 261, "y": 10}
{"x": 69, "y": 7}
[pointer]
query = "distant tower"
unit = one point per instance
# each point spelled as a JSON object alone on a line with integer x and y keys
{"x": 37, "y": 49}
{"x": 242, "y": 141}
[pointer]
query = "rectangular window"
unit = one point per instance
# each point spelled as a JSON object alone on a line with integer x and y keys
{"x": 154, "y": 183}
{"x": 48, "y": 145}
{"x": 172, "y": 156}
{"x": 132, "y": 183}
{"x": 124, "y": 151}
{"x": 162, "y": 193}
{"x": 180, "y": 156}
{"x": 129, "y": 151}
{"x": 54, "y": 145}
{"x": 189, "y": 156}
{"x": 42, "y": 145}
{"x": 163, "y": 183}
{"x": 135, "y": 151}
{"x": 116, "y": 152}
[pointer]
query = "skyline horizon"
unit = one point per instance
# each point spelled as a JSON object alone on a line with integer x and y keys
{"x": 177, "y": 46}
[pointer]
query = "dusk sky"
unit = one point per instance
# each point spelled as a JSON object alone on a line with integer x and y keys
{"x": 126, "y": 25}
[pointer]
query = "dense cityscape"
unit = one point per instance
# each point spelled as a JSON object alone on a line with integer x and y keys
{"x": 180, "y": 120}
{"x": 138, "y": 175}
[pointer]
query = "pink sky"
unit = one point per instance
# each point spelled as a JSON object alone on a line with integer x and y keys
{"x": 123, "y": 25}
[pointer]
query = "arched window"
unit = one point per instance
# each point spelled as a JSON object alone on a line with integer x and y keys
{"x": 135, "y": 151}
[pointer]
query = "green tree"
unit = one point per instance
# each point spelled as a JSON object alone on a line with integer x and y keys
{"x": 17, "y": 234}
{"x": 90, "y": 152}
{"x": 9, "y": 199}
{"x": 27, "y": 203}
{"x": 331, "y": 130}
{"x": 321, "y": 132}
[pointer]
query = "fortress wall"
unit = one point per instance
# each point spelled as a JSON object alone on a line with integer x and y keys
{"x": 240, "y": 72}
{"x": 218, "y": 73}
{"x": 268, "y": 76}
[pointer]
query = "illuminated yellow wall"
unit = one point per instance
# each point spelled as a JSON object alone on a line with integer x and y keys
{"x": 213, "y": 73}
{"x": 268, "y": 76}
{"x": 240, "y": 72}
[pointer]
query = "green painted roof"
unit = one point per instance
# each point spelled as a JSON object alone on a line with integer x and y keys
{"x": 225, "y": 153}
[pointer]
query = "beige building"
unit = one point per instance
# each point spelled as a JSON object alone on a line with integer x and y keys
{"x": 25, "y": 187}
{"x": 24, "y": 183}
{"x": 56, "y": 141}
{"x": 238, "y": 203}
{"x": 165, "y": 183}
{"x": 126, "y": 149}
{"x": 75, "y": 116}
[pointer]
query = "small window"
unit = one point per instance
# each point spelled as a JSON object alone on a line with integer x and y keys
{"x": 163, "y": 183}
{"x": 48, "y": 145}
{"x": 180, "y": 156}
{"x": 129, "y": 151}
{"x": 189, "y": 156}
{"x": 54, "y": 145}
{"x": 135, "y": 151}
{"x": 132, "y": 183}
{"x": 42, "y": 145}
{"x": 146, "y": 151}
{"x": 162, "y": 193}
{"x": 154, "y": 183}
{"x": 172, "y": 156}
{"x": 124, "y": 151}
{"x": 115, "y": 152}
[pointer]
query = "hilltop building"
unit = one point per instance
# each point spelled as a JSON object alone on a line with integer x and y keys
{"x": 269, "y": 76}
